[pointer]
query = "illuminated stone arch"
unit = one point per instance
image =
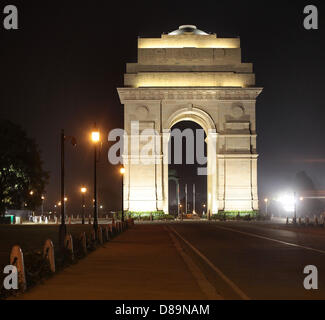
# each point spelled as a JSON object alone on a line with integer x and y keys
{"x": 192, "y": 75}
{"x": 194, "y": 114}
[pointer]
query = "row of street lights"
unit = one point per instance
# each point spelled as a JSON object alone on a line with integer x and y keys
{"x": 95, "y": 137}
{"x": 289, "y": 203}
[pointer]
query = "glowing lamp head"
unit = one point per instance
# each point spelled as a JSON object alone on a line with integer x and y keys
{"x": 83, "y": 190}
{"x": 266, "y": 200}
{"x": 122, "y": 170}
{"x": 31, "y": 192}
{"x": 65, "y": 199}
{"x": 95, "y": 136}
{"x": 42, "y": 197}
{"x": 288, "y": 202}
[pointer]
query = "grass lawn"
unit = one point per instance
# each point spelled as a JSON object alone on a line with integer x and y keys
{"x": 32, "y": 237}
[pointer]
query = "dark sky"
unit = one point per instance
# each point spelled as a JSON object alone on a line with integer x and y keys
{"x": 62, "y": 67}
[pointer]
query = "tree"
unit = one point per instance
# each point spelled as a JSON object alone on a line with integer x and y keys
{"x": 22, "y": 178}
{"x": 304, "y": 186}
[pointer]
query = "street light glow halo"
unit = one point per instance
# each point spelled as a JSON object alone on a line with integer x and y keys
{"x": 95, "y": 136}
{"x": 288, "y": 201}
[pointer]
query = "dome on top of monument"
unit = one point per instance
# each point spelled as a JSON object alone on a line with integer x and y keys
{"x": 187, "y": 29}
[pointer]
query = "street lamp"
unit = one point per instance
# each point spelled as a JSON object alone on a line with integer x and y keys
{"x": 95, "y": 137}
{"x": 295, "y": 204}
{"x": 63, "y": 229}
{"x": 83, "y": 190}
{"x": 266, "y": 200}
{"x": 122, "y": 172}
{"x": 42, "y": 198}
{"x": 180, "y": 207}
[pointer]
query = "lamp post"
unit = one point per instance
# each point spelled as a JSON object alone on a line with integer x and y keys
{"x": 83, "y": 190}
{"x": 95, "y": 137}
{"x": 295, "y": 204}
{"x": 63, "y": 229}
{"x": 42, "y": 198}
{"x": 122, "y": 172}
{"x": 301, "y": 199}
{"x": 266, "y": 200}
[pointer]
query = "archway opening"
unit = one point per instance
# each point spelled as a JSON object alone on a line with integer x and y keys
{"x": 187, "y": 179}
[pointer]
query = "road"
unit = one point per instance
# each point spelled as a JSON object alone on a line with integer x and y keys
{"x": 248, "y": 260}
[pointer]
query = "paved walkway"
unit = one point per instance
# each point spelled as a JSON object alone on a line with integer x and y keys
{"x": 141, "y": 263}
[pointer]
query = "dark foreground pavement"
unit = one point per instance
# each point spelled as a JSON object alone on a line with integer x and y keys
{"x": 196, "y": 260}
{"x": 262, "y": 260}
{"x": 141, "y": 263}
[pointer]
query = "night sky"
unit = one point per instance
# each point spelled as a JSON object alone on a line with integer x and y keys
{"x": 62, "y": 67}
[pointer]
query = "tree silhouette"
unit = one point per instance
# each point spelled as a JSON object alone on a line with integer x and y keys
{"x": 304, "y": 186}
{"x": 22, "y": 178}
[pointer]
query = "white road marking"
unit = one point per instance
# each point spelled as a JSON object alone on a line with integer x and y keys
{"x": 238, "y": 291}
{"x": 206, "y": 287}
{"x": 271, "y": 239}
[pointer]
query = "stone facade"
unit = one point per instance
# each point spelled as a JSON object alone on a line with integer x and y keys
{"x": 191, "y": 75}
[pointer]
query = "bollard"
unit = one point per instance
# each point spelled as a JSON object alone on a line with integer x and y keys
{"x": 83, "y": 241}
{"x": 299, "y": 220}
{"x": 316, "y": 221}
{"x": 106, "y": 232}
{"x": 17, "y": 260}
{"x": 68, "y": 244}
{"x": 287, "y": 222}
{"x": 48, "y": 254}
{"x": 110, "y": 228}
{"x": 100, "y": 235}
{"x": 113, "y": 226}
{"x": 93, "y": 236}
{"x": 89, "y": 221}
{"x": 69, "y": 220}
{"x": 116, "y": 227}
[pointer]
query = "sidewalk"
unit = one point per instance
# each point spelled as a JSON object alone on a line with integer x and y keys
{"x": 141, "y": 263}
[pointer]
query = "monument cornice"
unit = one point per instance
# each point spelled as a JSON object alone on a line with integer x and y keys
{"x": 188, "y": 93}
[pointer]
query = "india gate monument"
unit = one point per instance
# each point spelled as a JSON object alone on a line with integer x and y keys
{"x": 191, "y": 75}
